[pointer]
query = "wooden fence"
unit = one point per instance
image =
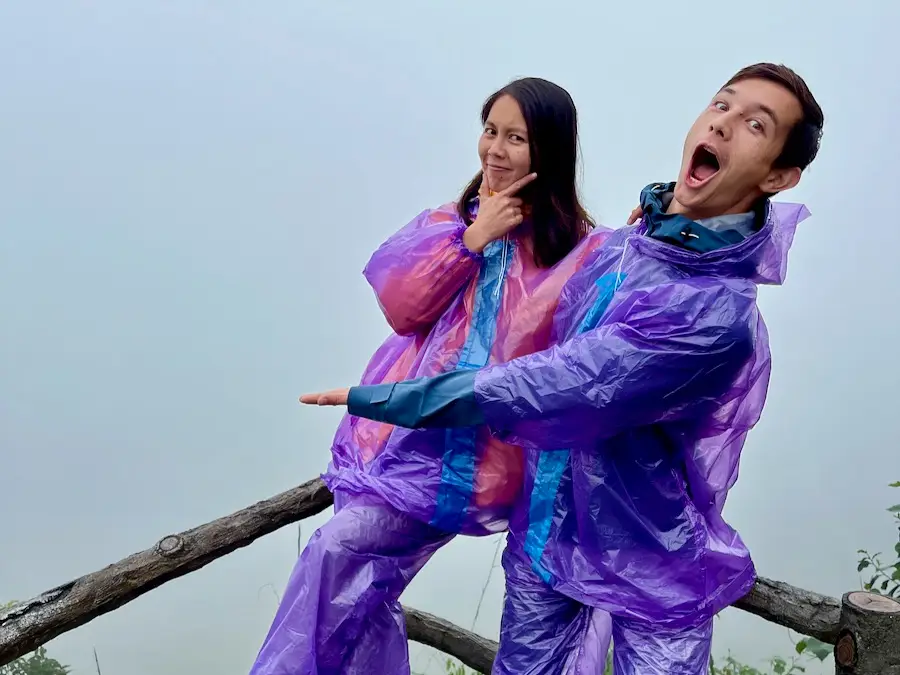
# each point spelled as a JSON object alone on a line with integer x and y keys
{"x": 864, "y": 627}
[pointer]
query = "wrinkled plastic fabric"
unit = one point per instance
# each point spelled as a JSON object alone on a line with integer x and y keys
{"x": 636, "y": 420}
{"x": 449, "y": 309}
{"x": 544, "y": 632}
{"x": 547, "y": 633}
{"x": 340, "y": 613}
{"x": 401, "y": 495}
{"x": 644, "y": 649}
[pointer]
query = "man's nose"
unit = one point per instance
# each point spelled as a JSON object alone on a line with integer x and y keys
{"x": 721, "y": 126}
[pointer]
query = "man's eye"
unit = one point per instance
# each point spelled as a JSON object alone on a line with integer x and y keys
{"x": 720, "y": 105}
{"x": 756, "y": 125}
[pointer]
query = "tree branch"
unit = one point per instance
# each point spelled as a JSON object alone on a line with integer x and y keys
{"x": 804, "y": 611}
{"x": 28, "y": 625}
{"x": 473, "y": 650}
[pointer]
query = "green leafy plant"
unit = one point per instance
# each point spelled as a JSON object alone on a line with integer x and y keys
{"x": 813, "y": 647}
{"x": 36, "y": 663}
{"x": 776, "y": 665}
{"x": 885, "y": 576}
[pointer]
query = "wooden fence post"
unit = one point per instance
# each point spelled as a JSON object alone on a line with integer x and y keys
{"x": 869, "y": 635}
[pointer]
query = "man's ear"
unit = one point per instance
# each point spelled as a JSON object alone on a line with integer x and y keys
{"x": 780, "y": 180}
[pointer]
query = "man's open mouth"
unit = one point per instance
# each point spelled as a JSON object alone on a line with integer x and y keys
{"x": 704, "y": 165}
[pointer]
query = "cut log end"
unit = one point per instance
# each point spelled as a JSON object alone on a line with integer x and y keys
{"x": 845, "y": 651}
{"x": 869, "y": 635}
{"x": 872, "y": 602}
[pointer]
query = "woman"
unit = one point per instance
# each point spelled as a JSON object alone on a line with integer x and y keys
{"x": 464, "y": 285}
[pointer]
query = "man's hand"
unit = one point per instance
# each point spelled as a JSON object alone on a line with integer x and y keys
{"x": 635, "y": 215}
{"x": 333, "y": 397}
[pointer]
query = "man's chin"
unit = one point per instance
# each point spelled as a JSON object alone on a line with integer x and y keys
{"x": 685, "y": 196}
{"x": 692, "y": 202}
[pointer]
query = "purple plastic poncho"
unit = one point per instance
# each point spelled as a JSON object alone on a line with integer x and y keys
{"x": 661, "y": 370}
{"x": 449, "y": 309}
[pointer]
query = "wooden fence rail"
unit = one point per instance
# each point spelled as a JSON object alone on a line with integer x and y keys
{"x": 864, "y": 626}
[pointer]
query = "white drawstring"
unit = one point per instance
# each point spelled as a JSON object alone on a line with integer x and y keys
{"x": 502, "y": 269}
{"x": 621, "y": 263}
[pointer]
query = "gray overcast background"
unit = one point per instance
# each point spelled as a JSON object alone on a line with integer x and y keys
{"x": 189, "y": 190}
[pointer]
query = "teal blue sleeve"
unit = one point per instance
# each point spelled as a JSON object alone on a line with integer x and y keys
{"x": 447, "y": 400}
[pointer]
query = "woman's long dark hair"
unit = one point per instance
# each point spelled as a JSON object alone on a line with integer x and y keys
{"x": 559, "y": 221}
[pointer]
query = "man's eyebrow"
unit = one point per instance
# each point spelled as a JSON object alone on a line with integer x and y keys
{"x": 771, "y": 113}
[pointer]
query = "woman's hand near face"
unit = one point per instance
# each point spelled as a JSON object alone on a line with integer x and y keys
{"x": 497, "y": 213}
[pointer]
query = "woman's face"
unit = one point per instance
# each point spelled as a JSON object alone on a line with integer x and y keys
{"x": 503, "y": 146}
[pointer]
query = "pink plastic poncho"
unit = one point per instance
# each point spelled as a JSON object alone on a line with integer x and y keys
{"x": 399, "y": 494}
{"x": 449, "y": 309}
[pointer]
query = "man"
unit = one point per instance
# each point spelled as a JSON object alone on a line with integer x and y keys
{"x": 635, "y": 420}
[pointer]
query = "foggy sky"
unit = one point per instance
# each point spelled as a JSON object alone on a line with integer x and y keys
{"x": 189, "y": 191}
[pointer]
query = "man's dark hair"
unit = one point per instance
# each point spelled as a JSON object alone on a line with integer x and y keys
{"x": 803, "y": 140}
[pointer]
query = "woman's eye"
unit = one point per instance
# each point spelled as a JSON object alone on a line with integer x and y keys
{"x": 720, "y": 105}
{"x": 756, "y": 125}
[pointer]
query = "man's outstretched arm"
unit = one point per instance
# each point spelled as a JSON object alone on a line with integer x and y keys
{"x": 446, "y": 400}
{"x": 662, "y": 353}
